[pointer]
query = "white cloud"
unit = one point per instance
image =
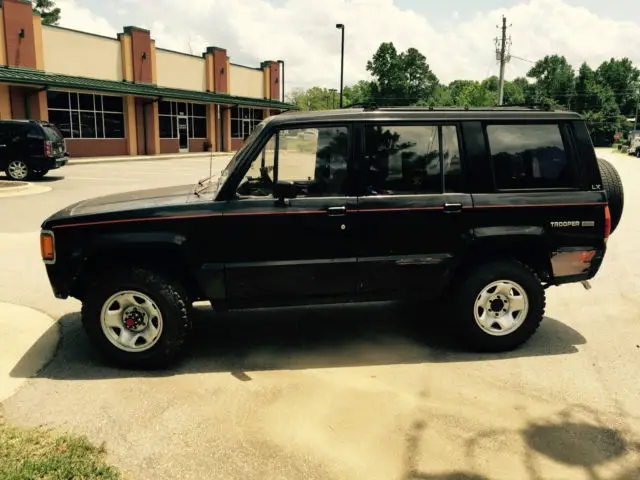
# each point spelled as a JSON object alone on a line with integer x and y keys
{"x": 302, "y": 32}
{"x": 81, "y": 18}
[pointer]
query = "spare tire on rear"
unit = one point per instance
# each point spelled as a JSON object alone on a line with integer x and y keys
{"x": 613, "y": 186}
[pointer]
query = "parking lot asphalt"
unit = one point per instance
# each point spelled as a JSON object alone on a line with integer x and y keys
{"x": 343, "y": 392}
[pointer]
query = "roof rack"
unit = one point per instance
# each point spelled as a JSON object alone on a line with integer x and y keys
{"x": 365, "y": 105}
{"x": 529, "y": 106}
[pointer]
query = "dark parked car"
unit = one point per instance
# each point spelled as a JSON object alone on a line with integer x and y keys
{"x": 483, "y": 208}
{"x": 30, "y": 148}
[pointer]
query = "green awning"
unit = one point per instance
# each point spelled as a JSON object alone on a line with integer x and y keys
{"x": 39, "y": 78}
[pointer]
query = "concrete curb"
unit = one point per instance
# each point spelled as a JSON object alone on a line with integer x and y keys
{"x": 29, "y": 189}
{"x": 29, "y": 342}
{"x": 153, "y": 158}
{"x": 18, "y": 187}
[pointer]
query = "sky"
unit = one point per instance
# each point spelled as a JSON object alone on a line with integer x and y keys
{"x": 456, "y": 36}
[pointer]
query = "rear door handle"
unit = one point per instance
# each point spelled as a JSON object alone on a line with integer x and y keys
{"x": 452, "y": 207}
{"x": 337, "y": 211}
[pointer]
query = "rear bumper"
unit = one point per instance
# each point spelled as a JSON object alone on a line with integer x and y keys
{"x": 58, "y": 162}
{"x": 576, "y": 264}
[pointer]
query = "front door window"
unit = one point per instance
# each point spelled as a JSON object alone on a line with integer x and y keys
{"x": 314, "y": 159}
{"x": 183, "y": 134}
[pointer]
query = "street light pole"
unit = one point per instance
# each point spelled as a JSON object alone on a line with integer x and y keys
{"x": 340, "y": 26}
{"x": 333, "y": 99}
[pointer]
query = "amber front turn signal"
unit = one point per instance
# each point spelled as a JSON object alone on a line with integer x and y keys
{"x": 47, "y": 247}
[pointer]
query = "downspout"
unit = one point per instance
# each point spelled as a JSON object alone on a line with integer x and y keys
{"x": 281, "y": 62}
{"x": 144, "y": 128}
{"x": 27, "y": 105}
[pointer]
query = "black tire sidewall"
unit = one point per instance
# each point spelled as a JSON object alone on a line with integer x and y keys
{"x": 471, "y": 333}
{"x": 167, "y": 295}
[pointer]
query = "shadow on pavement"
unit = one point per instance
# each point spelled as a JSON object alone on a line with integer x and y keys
{"x": 576, "y": 437}
{"x": 304, "y": 338}
{"x": 48, "y": 179}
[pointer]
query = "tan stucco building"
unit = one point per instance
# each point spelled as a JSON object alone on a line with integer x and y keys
{"x": 125, "y": 95}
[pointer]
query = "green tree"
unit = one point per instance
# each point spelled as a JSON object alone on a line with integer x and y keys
{"x": 419, "y": 81}
{"x": 598, "y": 104}
{"x": 554, "y": 80}
{"x": 624, "y": 80}
{"x": 475, "y": 94}
{"x": 361, "y": 92}
{"x": 48, "y": 11}
{"x": 528, "y": 90}
{"x": 401, "y": 78}
{"x": 315, "y": 98}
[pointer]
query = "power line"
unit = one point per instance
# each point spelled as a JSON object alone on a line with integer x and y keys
{"x": 523, "y": 59}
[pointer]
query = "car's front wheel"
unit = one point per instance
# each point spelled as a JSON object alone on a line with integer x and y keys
{"x": 498, "y": 306}
{"x": 136, "y": 317}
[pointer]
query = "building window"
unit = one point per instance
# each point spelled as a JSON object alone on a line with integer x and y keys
{"x": 244, "y": 120}
{"x": 86, "y": 115}
{"x": 196, "y": 114}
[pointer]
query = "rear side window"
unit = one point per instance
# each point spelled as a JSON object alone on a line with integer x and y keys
{"x": 531, "y": 156}
{"x": 52, "y": 133}
{"x": 34, "y": 132}
{"x": 410, "y": 159}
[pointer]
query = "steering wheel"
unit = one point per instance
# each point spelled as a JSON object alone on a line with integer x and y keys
{"x": 264, "y": 176}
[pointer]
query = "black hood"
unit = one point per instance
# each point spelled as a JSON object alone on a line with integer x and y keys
{"x": 136, "y": 200}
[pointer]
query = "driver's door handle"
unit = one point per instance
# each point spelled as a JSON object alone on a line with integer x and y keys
{"x": 336, "y": 211}
{"x": 452, "y": 207}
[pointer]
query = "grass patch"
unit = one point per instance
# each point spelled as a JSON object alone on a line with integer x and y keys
{"x": 36, "y": 453}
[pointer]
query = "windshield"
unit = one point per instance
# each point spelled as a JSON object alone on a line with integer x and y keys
{"x": 206, "y": 182}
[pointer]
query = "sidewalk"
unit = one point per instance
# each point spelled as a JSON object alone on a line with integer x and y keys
{"x": 146, "y": 158}
{"x": 29, "y": 339}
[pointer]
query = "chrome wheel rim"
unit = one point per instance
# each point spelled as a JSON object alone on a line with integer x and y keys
{"x": 131, "y": 321}
{"x": 18, "y": 169}
{"x": 501, "y": 307}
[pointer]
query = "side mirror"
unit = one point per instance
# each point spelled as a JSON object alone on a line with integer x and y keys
{"x": 284, "y": 189}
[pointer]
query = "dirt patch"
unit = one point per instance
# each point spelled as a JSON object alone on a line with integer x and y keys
{"x": 10, "y": 184}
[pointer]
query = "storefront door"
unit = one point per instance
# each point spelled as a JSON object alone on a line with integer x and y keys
{"x": 183, "y": 134}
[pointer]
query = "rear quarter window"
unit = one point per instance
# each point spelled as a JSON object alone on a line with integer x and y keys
{"x": 52, "y": 133}
{"x": 530, "y": 156}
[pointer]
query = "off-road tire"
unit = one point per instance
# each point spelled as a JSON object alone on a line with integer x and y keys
{"x": 615, "y": 193}
{"x": 169, "y": 296}
{"x": 466, "y": 291}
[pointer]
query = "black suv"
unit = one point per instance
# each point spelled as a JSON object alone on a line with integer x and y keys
{"x": 485, "y": 208}
{"x": 30, "y": 148}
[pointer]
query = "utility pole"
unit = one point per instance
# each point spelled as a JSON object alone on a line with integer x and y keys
{"x": 340, "y": 26}
{"x": 637, "y": 108}
{"x": 503, "y": 56}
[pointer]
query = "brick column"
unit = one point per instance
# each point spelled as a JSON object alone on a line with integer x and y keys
{"x": 271, "y": 72}
{"x": 138, "y": 66}
{"x": 219, "y": 73}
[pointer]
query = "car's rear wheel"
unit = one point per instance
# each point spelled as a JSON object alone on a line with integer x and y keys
{"x": 612, "y": 184}
{"x": 498, "y": 306}
{"x": 136, "y": 317}
{"x": 17, "y": 170}
{"x": 38, "y": 174}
